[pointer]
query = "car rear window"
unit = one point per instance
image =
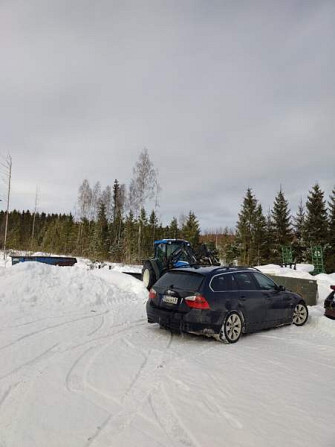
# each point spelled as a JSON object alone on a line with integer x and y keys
{"x": 180, "y": 280}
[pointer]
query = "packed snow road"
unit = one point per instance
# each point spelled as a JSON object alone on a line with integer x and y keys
{"x": 80, "y": 366}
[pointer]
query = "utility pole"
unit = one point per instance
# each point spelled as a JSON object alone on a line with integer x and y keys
{"x": 8, "y": 166}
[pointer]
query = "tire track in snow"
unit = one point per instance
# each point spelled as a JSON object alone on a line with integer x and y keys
{"x": 133, "y": 401}
{"x": 5, "y": 395}
{"x": 169, "y": 420}
{"x": 50, "y": 317}
{"x": 32, "y": 361}
{"x": 142, "y": 391}
{"x": 136, "y": 323}
{"x": 39, "y": 331}
{"x": 76, "y": 381}
{"x": 8, "y": 408}
{"x": 162, "y": 406}
{"x": 98, "y": 328}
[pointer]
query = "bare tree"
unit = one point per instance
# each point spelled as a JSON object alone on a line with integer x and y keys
{"x": 96, "y": 197}
{"x": 106, "y": 199}
{"x": 143, "y": 186}
{"x": 85, "y": 200}
{"x": 7, "y": 166}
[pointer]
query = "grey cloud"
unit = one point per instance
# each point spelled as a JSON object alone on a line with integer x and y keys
{"x": 225, "y": 95}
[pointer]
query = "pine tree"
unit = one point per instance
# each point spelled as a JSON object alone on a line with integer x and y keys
{"x": 191, "y": 230}
{"x": 153, "y": 223}
{"x": 282, "y": 228}
{"x": 130, "y": 238}
{"x": 69, "y": 234}
{"x": 145, "y": 236}
{"x": 332, "y": 219}
{"x": 246, "y": 225}
{"x": 14, "y": 232}
{"x": 106, "y": 198}
{"x": 259, "y": 237}
{"x": 269, "y": 245}
{"x": 117, "y": 225}
{"x": 52, "y": 240}
{"x": 299, "y": 243}
{"x": 316, "y": 224}
{"x": 330, "y": 252}
{"x": 101, "y": 242}
{"x": 173, "y": 230}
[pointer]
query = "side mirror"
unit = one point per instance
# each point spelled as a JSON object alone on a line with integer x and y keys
{"x": 280, "y": 288}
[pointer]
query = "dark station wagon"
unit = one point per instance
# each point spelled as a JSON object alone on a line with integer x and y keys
{"x": 223, "y": 302}
{"x": 329, "y": 304}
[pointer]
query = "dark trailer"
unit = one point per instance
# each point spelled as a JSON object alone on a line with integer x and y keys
{"x": 63, "y": 261}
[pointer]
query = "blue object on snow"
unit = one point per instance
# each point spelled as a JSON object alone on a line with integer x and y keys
{"x": 51, "y": 260}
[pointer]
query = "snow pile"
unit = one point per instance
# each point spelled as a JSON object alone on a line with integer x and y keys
{"x": 323, "y": 280}
{"x": 42, "y": 285}
{"x": 302, "y": 270}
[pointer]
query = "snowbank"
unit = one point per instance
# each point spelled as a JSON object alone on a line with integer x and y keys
{"x": 324, "y": 281}
{"x": 42, "y": 285}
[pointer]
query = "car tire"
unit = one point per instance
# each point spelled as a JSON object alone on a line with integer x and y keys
{"x": 300, "y": 314}
{"x": 231, "y": 329}
{"x": 148, "y": 275}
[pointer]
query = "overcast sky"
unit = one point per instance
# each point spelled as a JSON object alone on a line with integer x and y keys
{"x": 224, "y": 94}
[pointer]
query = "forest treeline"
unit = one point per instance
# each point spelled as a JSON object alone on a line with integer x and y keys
{"x": 109, "y": 228}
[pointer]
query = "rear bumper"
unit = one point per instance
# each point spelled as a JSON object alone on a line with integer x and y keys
{"x": 196, "y": 320}
{"x": 330, "y": 312}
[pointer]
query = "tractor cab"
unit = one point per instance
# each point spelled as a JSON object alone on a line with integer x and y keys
{"x": 172, "y": 252}
{"x": 168, "y": 254}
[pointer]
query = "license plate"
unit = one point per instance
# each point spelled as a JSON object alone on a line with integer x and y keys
{"x": 170, "y": 299}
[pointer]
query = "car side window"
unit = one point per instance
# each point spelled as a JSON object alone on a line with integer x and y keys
{"x": 246, "y": 281}
{"x": 221, "y": 283}
{"x": 264, "y": 282}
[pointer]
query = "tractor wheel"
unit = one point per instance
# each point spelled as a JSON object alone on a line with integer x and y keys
{"x": 148, "y": 275}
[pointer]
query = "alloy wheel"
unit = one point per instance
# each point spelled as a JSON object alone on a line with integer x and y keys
{"x": 233, "y": 328}
{"x": 300, "y": 314}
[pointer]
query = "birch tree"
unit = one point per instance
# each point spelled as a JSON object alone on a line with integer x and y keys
{"x": 106, "y": 199}
{"x": 96, "y": 200}
{"x": 143, "y": 186}
{"x": 85, "y": 200}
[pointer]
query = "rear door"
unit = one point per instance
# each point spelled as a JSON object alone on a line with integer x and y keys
{"x": 251, "y": 300}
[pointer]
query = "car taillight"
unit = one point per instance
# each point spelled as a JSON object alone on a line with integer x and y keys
{"x": 152, "y": 294}
{"x": 197, "y": 302}
{"x": 332, "y": 287}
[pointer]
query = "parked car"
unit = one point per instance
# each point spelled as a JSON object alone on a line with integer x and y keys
{"x": 223, "y": 302}
{"x": 329, "y": 304}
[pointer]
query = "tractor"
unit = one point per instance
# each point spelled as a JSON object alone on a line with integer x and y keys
{"x": 174, "y": 253}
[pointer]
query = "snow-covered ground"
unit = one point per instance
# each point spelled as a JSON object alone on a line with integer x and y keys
{"x": 80, "y": 366}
